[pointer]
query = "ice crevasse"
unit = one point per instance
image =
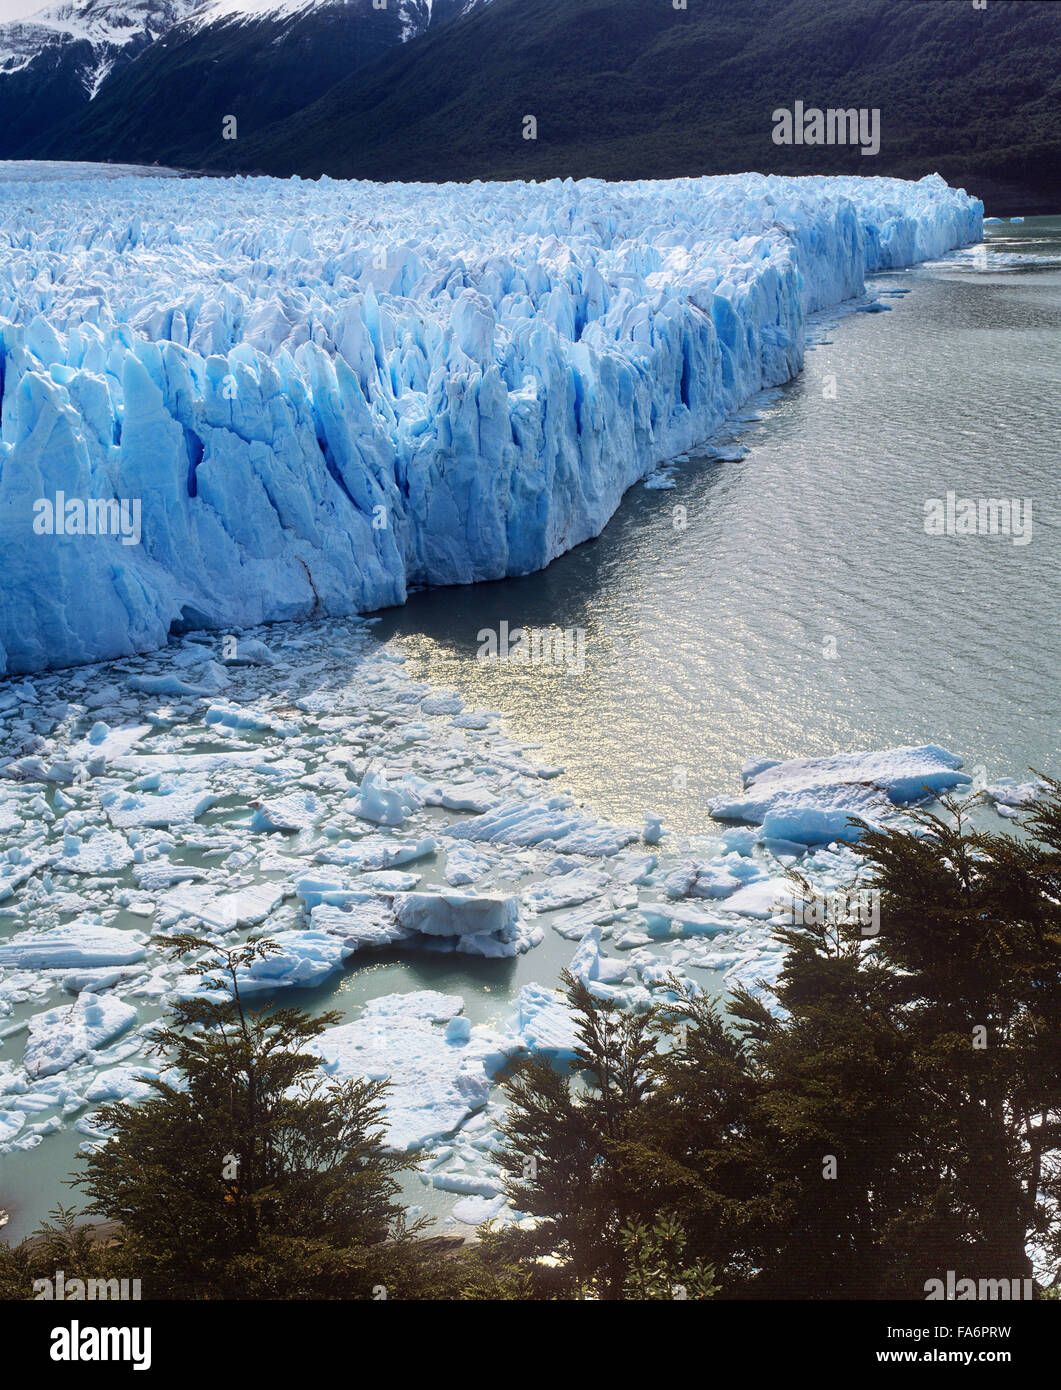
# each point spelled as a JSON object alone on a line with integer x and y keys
{"x": 319, "y": 393}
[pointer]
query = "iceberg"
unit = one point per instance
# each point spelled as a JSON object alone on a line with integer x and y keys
{"x": 60, "y": 1037}
{"x": 436, "y": 1080}
{"x": 591, "y": 966}
{"x": 179, "y": 801}
{"x": 221, "y": 912}
{"x": 314, "y": 395}
{"x": 808, "y": 801}
{"x": 557, "y": 823}
{"x": 456, "y": 914}
{"x": 544, "y": 1023}
{"x": 302, "y": 960}
{"x": 77, "y": 944}
{"x": 469, "y": 923}
{"x": 464, "y": 865}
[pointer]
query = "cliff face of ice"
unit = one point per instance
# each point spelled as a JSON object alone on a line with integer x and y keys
{"x": 278, "y": 399}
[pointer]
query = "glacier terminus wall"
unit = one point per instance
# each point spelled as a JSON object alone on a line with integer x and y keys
{"x": 312, "y": 395}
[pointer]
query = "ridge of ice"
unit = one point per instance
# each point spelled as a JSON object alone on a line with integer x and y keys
{"x": 321, "y": 393}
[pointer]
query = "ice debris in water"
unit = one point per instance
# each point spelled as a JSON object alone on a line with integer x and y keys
{"x": 809, "y": 801}
{"x": 241, "y": 819}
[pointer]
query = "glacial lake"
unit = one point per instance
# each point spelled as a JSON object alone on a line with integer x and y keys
{"x": 803, "y": 609}
{"x": 793, "y": 606}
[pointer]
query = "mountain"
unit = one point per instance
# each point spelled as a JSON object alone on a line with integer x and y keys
{"x": 634, "y": 88}
{"x": 197, "y": 62}
{"x": 619, "y": 88}
{"x": 53, "y": 63}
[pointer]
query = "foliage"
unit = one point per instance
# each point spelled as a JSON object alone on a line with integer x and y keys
{"x": 245, "y": 1175}
{"x": 892, "y": 1112}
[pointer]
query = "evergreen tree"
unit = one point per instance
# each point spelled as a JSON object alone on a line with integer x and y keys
{"x": 573, "y": 1149}
{"x": 891, "y": 1113}
{"x": 245, "y": 1176}
{"x": 972, "y": 938}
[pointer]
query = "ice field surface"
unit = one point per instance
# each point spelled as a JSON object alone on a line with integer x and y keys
{"x": 318, "y": 394}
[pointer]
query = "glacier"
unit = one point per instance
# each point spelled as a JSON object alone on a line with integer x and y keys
{"x": 319, "y": 394}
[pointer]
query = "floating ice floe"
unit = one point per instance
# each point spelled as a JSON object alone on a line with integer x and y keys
{"x": 302, "y": 960}
{"x": 574, "y": 886}
{"x": 128, "y": 1083}
{"x": 223, "y": 912}
{"x": 297, "y": 811}
{"x": 808, "y": 801}
{"x": 94, "y": 980}
{"x": 465, "y": 865}
{"x": 11, "y": 1121}
{"x": 96, "y": 852}
{"x": 379, "y": 802}
{"x": 592, "y": 967}
{"x": 377, "y": 852}
{"x": 60, "y": 1037}
{"x": 557, "y": 823}
{"x": 173, "y": 802}
{"x": 544, "y": 1023}
{"x": 80, "y": 943}
{"x": 474, "y": 924}
{"x": 437, "y": 1076}
{"x": 212, "y": 680}
{"x": 679, "y": 920}
{"x": 1010, "y": 797}
{"x": 106, "y": 743}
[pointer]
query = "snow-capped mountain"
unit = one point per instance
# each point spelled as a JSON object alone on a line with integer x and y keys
{"x": 55, "y": 61}
{"x": 163, "y": 73}
{"x": 415, "y": 15}
{"x": 90, "y": 34}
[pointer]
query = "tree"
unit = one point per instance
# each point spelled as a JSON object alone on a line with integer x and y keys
{"x": 844, "y": 1143}
{"x": 63, "y": 1243}
{"x": 245, "y": 1176}
{"x": 889, "y": 1110}
{"x": 906, "y": 1114}
{"x": 972, "y": 939}
{"x": 656, "y": 1268}
{"x": 573, "y": 1149}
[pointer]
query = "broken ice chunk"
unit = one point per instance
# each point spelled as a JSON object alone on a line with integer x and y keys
{"x": 378, "y": 801}
{"x": 179, "y": 801}
{"x": 79, "y": 943}
{"x": 60, "y": 1037}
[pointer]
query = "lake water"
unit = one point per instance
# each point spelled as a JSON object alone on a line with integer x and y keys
{"x": 803, "y": 609}
{"x": 793, "y": 606}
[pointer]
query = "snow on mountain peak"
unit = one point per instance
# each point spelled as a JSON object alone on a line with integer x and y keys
{"x": 105, "y": 21}
{"x": 107, "y": 25}
{"x": 415, "y": 15}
